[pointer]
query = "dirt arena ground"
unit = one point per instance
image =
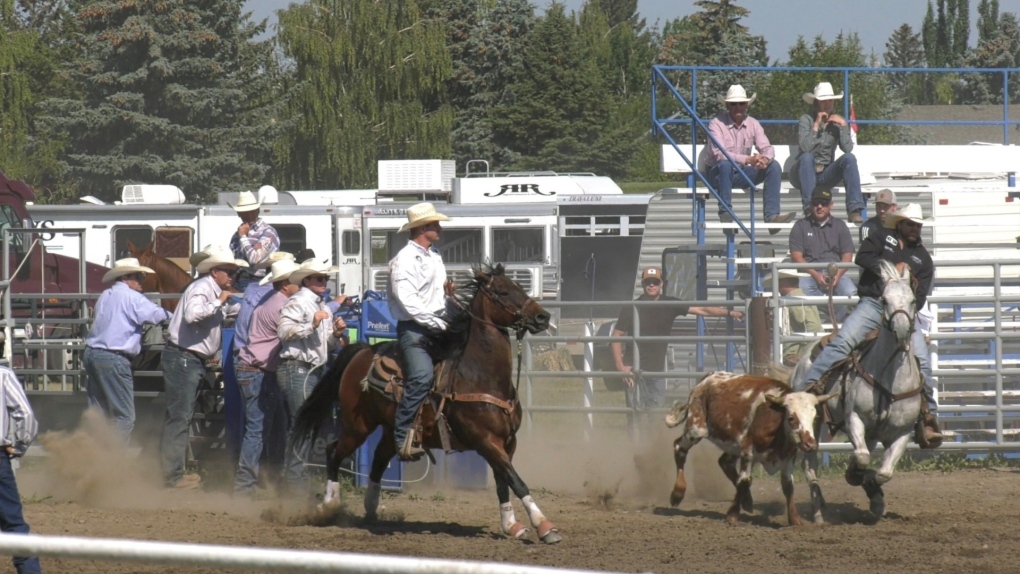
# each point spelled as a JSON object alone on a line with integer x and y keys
{"x": 610, "y": 503}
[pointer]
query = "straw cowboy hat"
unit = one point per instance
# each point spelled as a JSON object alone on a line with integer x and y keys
{"x": 736, "y": 93}
{"x": 823, "y": 91}
{"x": 124, "y": 267}
{"x": 246, "y": 202}
{"x": 279, "y": 271}
{"x": 910, "y": 212}
{"x": 219, "y": 256}
{"x": 421, "y": 214}
{"x": 273, "y": 258}
{"x": 785, "y": 274}
{"x": 310, "y": 268}
{"x": 200, "y": 256}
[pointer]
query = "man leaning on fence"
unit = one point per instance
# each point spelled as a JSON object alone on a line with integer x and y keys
{"x": 649, "y": 392}
{"x": 17, "y": 431}
{"x": 115, "y": 339}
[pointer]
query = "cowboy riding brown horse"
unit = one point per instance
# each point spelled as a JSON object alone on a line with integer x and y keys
{"x": 474, "y": 402}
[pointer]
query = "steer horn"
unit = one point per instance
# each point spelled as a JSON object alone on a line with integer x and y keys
{"x": 823, "y": 398}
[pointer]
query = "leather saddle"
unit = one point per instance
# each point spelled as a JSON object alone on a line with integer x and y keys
{"x": 386, "y": 377}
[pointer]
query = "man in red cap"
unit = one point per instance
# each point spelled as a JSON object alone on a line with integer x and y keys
{"x": 649, "y": 392}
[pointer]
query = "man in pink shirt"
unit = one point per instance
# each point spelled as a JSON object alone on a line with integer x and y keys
{"x": 256, "y": 369}
{"x": 738, "y": 133}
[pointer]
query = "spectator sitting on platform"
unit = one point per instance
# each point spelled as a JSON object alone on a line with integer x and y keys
{"x": 819, "y": 133}
{"x": 885, "y": 202}
{"x": 253, "y": 241}
{"x": 823, "y": 238}
{"x": 738, "y": 133}
{"x": 804, "y": 318}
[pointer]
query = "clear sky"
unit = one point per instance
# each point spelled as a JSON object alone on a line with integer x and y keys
{"x": 780, "y": 21}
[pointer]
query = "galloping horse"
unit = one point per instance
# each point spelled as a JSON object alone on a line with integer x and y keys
{"x": 476, "y": 394}
{"x": 879, "y": 398}
{"x": 168, "y": 278}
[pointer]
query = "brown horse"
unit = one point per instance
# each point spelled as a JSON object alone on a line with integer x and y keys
{"x": 478, "y": 398}
{"x": 168, "y": 279}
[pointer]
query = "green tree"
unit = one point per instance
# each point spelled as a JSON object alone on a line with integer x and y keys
{"x": 561, "y": 115}
{"x": 961, "y": 30}
{"x": 16, "y": 97}
{"x": 1001, "y": 50}
{"x": 170, "y": 91}
{"x": 904, "y": 50}
{"x": 371, "y": 80}
{"x": 988, "y": 20}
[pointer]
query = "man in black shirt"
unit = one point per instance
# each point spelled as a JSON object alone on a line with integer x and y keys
{"x": 655, "y": 321}
{"x": 900, "y": 245}
{"x": 885, "y": 202}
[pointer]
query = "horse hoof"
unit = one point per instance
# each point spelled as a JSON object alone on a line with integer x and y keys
{"x": 517, "y": 531}
{"x": 371, "y": 517}
{"x": 675, "y": 498}
{"x": 854, "y": 476}
{"x": 548, "y": 533}
{"x": 746, "y": 502}
{"x": 878, "y": 506}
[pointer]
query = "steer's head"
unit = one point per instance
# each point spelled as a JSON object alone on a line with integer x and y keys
{"x": 799, "y": 411}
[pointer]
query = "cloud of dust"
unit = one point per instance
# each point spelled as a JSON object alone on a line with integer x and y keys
{"x": 90, "y": 466}
{"x": 609, "y": 467}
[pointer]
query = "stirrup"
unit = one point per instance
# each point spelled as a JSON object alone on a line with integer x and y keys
{"x": 408, "y": 452}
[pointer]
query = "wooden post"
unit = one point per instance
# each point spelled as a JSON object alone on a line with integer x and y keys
{"x": 760, "y": 336}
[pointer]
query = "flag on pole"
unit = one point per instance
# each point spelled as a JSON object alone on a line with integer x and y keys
{"x": 853, "y": 122}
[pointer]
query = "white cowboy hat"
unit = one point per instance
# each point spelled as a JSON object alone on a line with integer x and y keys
{"x": 279, "y": 271}
{"x": 823, "y": 91}
{"x": 911, "y": 212}
{"x": 421, "y": 214}
{"x": 219, "y": 256}
{"x": 200, "y": 256}
{"x": 246, "y": 202}
{"x": 736, "y": 93}
{"x": 273, "y": 258}
{"x": 791, "y": 274}
{"x": 124, "y": 267}
{"x": 310, "y": 268}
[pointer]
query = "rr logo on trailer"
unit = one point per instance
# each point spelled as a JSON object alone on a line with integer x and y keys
{"x": 519, "y": 189}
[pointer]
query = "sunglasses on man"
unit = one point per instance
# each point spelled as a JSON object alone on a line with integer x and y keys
{"x": 651, "y": 282}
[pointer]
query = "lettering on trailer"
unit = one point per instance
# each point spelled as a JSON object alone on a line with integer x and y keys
{"x": 45, "y": 225}
{"x": 581, "y": 198}
{"x": 388, "y": 211}
{"x": 519, "y": 189}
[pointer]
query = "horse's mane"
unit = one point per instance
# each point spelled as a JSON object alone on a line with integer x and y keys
{"x": 451, "y": 342}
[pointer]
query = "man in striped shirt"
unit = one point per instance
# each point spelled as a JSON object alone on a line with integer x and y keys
{"x": 17, "y": 429}
{"x": 253, "y": 241}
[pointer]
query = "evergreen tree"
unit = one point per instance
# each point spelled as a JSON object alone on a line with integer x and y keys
{"x": 16, "y": 97}
{"x": 988, "y": 20}
{"x": 904, "y": 50}
{"x": 561, "y": 117}
{"x": 961, "y": 30}
{"x": 1001, "y": 51}
{"x": 170, "y": 92}
{"x": 928, "y": 36}
{"x": 943, "y": 38}
{"x": 618, "y": 11}
{"x": 371, "y": 84}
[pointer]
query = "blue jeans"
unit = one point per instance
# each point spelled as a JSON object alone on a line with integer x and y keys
{"x": 294, "y": 377}
{"x": 182, "y": 373}
{"x": 12, "y": 520}
{"x": 250, "y": 383}
{"x": 274, "y": 429}
{"x": 867, "y": 316}
{"x": 723, "y": 175}
{"x": 111, "y": 388}
{"x": 417, "y": 376}
{"x": 845, "y": 288}
{"x": 843, "y": 169}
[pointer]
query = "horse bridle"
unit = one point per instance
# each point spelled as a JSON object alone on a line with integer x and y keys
{"x": 519, "y": 322}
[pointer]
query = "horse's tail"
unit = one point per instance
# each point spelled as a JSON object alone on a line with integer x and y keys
{"x": 318, "y": 407}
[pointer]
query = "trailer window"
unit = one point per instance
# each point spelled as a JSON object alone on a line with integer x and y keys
{"x": 385, "y": 245}
{"x": 292, "y": 237}
{"x": 517, "y": 245}
{"x": 9, "y": 219}
{"x": 461, "y": 245}
{"x": 140, "y": 236}
{"x": 350, "y": 242}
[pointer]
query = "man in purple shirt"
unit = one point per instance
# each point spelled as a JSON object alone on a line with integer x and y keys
{"x": 737, "y": 133}
{"x": 114, "y": 339}
{"x": 256, "y": 367}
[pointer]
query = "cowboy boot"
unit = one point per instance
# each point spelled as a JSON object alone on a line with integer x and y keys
{"x": 932, "y": 432}
{"x": 410, "y": 452}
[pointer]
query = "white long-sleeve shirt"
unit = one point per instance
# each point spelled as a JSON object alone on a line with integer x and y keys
{"x": 16, "y": 411}
{"x": 298, "y": 339}
{"x": 416, "y": 292}
{"x": 197, "y": 325}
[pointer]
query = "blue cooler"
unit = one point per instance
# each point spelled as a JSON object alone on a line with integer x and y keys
{"x": 376, "y": 320}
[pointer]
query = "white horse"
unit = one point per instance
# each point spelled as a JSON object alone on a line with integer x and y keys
{"x": 878, "y": 400}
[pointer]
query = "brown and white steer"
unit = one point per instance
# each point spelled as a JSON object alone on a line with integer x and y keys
{"x": 753, "y": 420}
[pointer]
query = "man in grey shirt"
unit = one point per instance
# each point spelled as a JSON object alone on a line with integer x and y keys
{"x": 819, "y": 133}
{"x": 823, "y": 238}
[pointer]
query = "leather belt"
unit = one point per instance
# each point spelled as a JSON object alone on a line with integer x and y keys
{"x": 188, "y": 351}
{"x": 298, "y": 362}
{"x": 248, "y": 368}
{"x": 124, "y": 354}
